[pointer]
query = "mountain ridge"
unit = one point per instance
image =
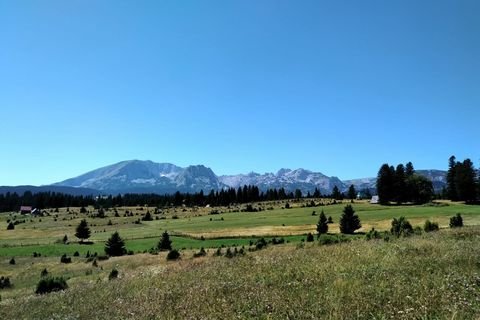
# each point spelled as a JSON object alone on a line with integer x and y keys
{"x": 146, "y": 176}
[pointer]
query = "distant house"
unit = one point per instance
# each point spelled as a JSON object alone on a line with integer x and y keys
{"x": 374, "y": 200}
{"x": 25, "y": 209}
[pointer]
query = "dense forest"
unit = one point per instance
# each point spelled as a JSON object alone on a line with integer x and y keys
{"x": 41, "y": 200}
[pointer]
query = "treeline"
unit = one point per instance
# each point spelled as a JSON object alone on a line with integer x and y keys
{"x": 462, "y": 184}
{"x": 402, "y": 184}
{"x": 246, "y": 194}
{"x": 13, "y": 201}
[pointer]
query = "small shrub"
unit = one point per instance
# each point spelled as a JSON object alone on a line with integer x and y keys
{"x": 5, "y": 283}
{"x": 173, "y": 255}
{"x": 76, "y": 254}
{"x": 430, "y": 226}
{"x": 201, "y": 253}
{"x": 456, "y": 221}
{"x": 12, "y": 261}
{"x": 218, "y": 252}
{"x": 113, "y": 274}
{"x": 310, "y": 237}
{"x": 330, "y": 220}
{"x": 44, "y": 273}
{"x": 260, "y": 244}
{"x": 11, "y": 226}
{"x": 373, "y": 234}
{"x": 49, "y": 284}
{"x": 65, "y": 259}
{"x": 401, "y": 227}
{"x": 229, "y": 253}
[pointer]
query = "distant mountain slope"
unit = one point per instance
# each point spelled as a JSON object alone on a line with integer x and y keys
{"x": 302, "y": 179}
{"x": 60, "y": 189}
{"x": 136, "y": 176}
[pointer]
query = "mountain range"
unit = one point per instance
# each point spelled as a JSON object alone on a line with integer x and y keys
{"x": 137, "y": 176}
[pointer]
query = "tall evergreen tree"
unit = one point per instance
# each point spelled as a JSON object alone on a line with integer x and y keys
{"x": 400, "y": 190}
{"x": 82, "y": 231}
{"x": 385, "y": 183}
{"x": 409, "y": 170}
{"x": 165, "y": 243}
{"x": 336, "y": 193}
{"x": 115, "y": 246}
{"x": 465, "y": 186}
{"x": 451, "y": 189}
{"x": 349, "y": 221}
{"x": 322, "y": 225}
{"x": 352, "y": 193}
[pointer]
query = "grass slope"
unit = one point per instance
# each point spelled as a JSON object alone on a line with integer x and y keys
{"x": 433, "y": 276}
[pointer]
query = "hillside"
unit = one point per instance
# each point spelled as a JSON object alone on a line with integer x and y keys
{"x": 429, "y": 277}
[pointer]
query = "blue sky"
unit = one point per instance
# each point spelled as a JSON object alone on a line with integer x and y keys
{"x": 333, "y": 86}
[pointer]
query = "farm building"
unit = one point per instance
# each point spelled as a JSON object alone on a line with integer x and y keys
{"x": 374, "y": 200}
{"x": 25, "y": 209}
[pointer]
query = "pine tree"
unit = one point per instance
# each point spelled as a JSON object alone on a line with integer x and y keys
{"x": 385, "y": 183}
{"x": 349, "y": 221}
{"x": 400, "y": 190}
{"x": 322, "y": 225}
{"x": 451, "y": 190}
{"x": 165, "y": 243}
{"x": 352, "y": 193}
{"x": 336, "y": 193}
{"x": 115, "y": 246}
{"x": 465, "y": 181}
{"x": 82, "y": 231}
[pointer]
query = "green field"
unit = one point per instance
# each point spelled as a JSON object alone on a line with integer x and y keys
{"x": 431, "y": 276}
{"x": 369, "y": 275}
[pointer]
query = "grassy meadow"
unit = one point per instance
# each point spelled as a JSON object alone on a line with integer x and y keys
{"x": 426, "y": 276}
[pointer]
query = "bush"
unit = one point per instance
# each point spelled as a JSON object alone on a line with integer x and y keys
{"x": 10, "y": 226}
{"x": 260, "y": 244}
{"x": 76, "y": 254}
{"x": 310, "y": 237}
{"x": 373, "y": 234}
{"x": 44, "y": 273}
{"x": 201, "y": 253}
{"x": 65, "y": 259}
{"x": 147, "y": 217}
{"x": 173, "y": 255}
{"x": 326, "y": 239}
{"x": 12, "y": 261}
{"x": 5, "y": 283}
{"x": 50, "y": 285}
{"x": 401, "y": 227}
{"x": 330, "y": 220}
{"x": 430, "y": 226}
{"x": 113, "y": 274}
{"x": 456, "y": 221}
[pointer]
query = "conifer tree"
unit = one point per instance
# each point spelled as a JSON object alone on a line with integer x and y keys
{"x": 322, "y": 225}
{"x": 165, "y": 243}
{"x": 115, "y": 246}
{"x": 349, "y": 221}
{"x": 82, "y": 231}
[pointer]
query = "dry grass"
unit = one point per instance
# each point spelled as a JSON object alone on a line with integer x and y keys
{"x": 434, "y": 276}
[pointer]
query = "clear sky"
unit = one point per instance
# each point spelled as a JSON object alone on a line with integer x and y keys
{"x": 338, "y": 87}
